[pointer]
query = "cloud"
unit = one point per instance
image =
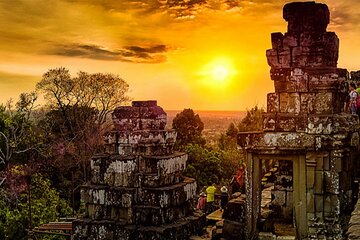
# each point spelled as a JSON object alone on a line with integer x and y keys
{"x": 136, "y": 54}
{"x": 344, "y": 15}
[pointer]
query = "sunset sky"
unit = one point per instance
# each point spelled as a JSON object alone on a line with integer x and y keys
{"x": 200, "y": 54}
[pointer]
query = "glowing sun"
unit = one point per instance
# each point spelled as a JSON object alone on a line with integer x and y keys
{"x": 220, "y": 72}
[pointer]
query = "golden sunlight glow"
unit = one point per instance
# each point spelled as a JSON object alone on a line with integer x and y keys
{"x": 220, "y": 73}
{"x": 220, "y": 70}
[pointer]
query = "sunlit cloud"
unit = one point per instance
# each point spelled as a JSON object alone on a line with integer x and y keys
{"x": 135, "y": 54}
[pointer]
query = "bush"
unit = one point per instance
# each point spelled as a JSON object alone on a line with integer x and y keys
{"x": 46, "y": 206}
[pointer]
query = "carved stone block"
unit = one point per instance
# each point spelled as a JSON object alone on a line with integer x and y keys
{"x": 323, "y": 103}
{"x": 319, "y": 124}
{"x": 307, "y": 103}
{"x": 269, "y": 122}
{"x": 306, "y": 17}
{"x": 289, "y": 103}
{"x": 286, "y": 123}
{"x": 272, "y": 103}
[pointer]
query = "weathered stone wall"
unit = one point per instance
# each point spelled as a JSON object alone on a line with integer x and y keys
{"x": 305, "y": 121}
{"x": 235, "y": 219}
{"x": 137, "y": 190}
{"x": 353, "y": 231}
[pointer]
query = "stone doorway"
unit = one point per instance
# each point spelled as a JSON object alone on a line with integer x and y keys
{"x": 289, "y": 193}
{"x": 276, "y": 213}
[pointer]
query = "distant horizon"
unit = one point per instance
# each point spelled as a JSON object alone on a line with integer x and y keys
{"x": 202, "y": 110}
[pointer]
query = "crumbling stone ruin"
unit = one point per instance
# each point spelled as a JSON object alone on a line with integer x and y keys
{"x": 137, "y": 190}
{"x": 304, "y": 131}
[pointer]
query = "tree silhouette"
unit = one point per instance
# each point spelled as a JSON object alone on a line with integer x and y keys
{"x": 189, "y": 127}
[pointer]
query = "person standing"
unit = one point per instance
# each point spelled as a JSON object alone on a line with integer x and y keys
{"x": 201, "y": 202}
{"x": 358, "y": 99}
{"x": 353, "y": 96}
{"x": 237, "y": 183}
{"x": 224, "y": 197}
{"x": 210, "y": 197}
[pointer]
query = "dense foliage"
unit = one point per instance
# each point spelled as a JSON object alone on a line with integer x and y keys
{"x": 48, "y": 148}
{"x": 189, "y": 127}
{"x": 252, "y": 121}
{"x": 46, "y": 206}
{"x": 211, "y": 165}
{"x": 219, "y": 164}
{"x": 18, "y": 137}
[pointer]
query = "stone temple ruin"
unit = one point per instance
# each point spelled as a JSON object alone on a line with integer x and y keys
{"x": 306, "y": 151}
{"x": 137, "y": 190}
{"x": 305, "y": 132}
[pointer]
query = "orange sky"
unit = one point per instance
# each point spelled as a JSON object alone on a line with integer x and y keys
{"x": 200, "y": 54}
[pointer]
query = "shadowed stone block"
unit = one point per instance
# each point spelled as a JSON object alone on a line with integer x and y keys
{"x": 234, "y": 230}
{"x": 306, "y": 17}
{"x": 142, "y": 115}
{"x": 331, "y": 182}
{"x": 277, "y": 40}
{"x": 235, "y": 210}
{"x": 280, "y": 74}
{"x": 290, "y": 41}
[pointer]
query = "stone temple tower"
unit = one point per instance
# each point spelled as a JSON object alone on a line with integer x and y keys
{"x": 304, "y": 129}
{"x": 137, "y": 190}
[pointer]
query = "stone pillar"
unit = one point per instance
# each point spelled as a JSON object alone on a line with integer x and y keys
{"x": 305, "y": 121}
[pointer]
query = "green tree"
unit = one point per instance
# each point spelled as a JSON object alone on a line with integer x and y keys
{"x": 203, "y": 164}
{"x": 189, "y": 127}
{"x": 228, "y": 140}
{"x": 101, "y": 91}
{"x": 78, "y": 110}
{"x": 46, "y": 206}
{"x": 18, "y": 137}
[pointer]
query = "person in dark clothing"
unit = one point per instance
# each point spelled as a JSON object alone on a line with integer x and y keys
{"x": 224, "y": 197}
